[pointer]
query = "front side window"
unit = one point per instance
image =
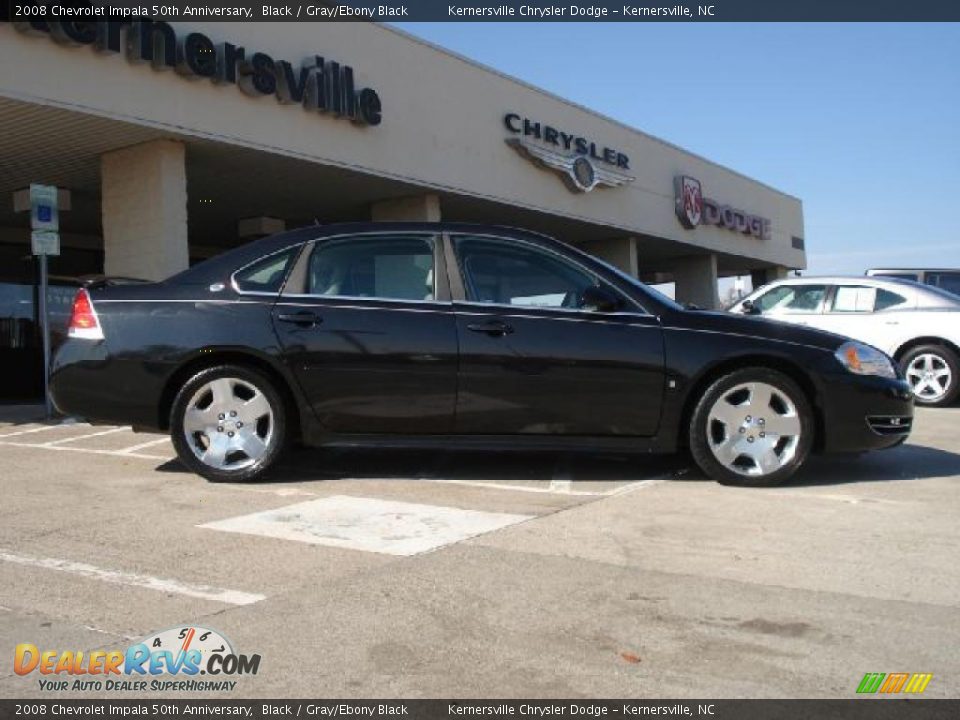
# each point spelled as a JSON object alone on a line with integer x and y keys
{"x": 801, "y": 299}
{"x": 383, "y": 267}
{"x": 265, "y": 275}
{"x": 501, "y": 272}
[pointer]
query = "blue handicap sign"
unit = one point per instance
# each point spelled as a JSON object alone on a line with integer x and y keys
{"x": 44, "y": 213}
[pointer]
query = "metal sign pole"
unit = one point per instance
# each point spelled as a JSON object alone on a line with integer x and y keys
{"x": 45, "y": 324}
{"x": 44, "y": 241}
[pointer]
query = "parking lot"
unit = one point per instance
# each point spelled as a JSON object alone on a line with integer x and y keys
{"x": 383, "y": 574}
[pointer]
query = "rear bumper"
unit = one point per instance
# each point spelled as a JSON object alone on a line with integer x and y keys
{"x": 865, "y": 413}
{"x": 85, "y": 381}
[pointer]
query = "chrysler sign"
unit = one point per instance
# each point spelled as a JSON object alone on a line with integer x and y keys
{"x": 582, "y": 164}
{"x": 694, "y": 209}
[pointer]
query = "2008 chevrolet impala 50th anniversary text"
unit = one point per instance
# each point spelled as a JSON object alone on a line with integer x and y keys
{"x": 421, "y": 335}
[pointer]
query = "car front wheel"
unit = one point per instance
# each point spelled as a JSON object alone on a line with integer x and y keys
{"x": 933, "y": 372}
{"x": 228, "y": 424}
{"x": 752, "y": 427}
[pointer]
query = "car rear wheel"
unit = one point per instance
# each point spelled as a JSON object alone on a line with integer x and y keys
{"x": 752, "y": 427}
{"x": 228, "y": 424}
{"x": 933, "y": 372}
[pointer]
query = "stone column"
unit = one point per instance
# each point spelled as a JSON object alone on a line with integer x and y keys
{"x": 144, "y": 210}
{"x": 619, "y": 252}
{"x": 696, "y": 281}
{"x": 761, "y": 277}
{"x": 419, "y": 208}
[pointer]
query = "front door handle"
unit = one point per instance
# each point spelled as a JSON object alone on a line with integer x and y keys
{"x": 493, "y": 328}
{"x": 304, "y": 318}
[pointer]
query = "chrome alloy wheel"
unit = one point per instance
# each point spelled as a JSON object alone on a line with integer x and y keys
{"x": 228, "y": 424}
{"x": 929, "y": 376}
{"x": 754, "y": 429}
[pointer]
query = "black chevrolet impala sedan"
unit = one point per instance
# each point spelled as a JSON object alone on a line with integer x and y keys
{"x": 452, "y": 335}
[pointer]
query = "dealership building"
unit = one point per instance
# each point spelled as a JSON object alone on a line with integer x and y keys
{"x": 172, "y": 142}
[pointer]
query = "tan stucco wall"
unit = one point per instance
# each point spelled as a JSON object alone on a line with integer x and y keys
{"x": 442, "y": 126}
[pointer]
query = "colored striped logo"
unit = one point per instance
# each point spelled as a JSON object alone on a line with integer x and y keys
{"x": 890, "y": 683}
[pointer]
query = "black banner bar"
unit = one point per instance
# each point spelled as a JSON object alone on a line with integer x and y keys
{"x": 858, "y": 709}
{"x": 488, "y": 10}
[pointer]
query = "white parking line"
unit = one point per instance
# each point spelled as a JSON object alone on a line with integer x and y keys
{"x": 91, "y": 451}
{"x": 554, "y": 488}
{"x": 32, "y": 430}
{"x": 111, "y": 431}
{"x": 117, "y": 577}
{"x": 516, "y": 488}
{"x": 143, "y": 446}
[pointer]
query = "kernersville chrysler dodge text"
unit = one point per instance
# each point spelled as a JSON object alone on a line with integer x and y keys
{"x": 426, "y": 335}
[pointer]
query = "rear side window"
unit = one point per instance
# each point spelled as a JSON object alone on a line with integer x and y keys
{"x": 792, "y": 299}
{"x": 854, "y": 299}
{"x": 862, "y": 299}
{"x": 266, "y": 274}
{"x": 887, "y": 300}
{"x": 386, "y": 267}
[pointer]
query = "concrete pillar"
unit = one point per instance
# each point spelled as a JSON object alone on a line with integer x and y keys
{"x": 767, "y": 275}
{"x": 619, "y": 252}
{"x": 419, "y": 208}
{"x": 144, "y": 209}
{"x": 696, "y": 281}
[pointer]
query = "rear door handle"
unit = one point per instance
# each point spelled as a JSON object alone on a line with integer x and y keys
{"x": 303, "y": 318}
{"x": 494, "y": 328}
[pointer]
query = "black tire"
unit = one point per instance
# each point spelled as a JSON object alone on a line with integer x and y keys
{"x": 949, "y": 359}
{"x": 275, "y": 430}
{"x": 699, "y": 440}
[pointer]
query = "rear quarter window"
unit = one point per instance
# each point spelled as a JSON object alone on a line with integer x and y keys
{"x": 266, "y": 274}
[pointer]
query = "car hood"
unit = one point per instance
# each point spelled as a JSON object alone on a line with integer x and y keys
{"x": 758, "y": 326}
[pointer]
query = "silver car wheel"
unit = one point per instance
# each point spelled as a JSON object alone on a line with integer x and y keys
{"x": 754, "y": 429}
{"x": 228, "y": 424}
{"x": 929, "y": 376}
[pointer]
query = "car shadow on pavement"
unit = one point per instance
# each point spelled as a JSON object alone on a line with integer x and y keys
{"x": 908, "y": 462}
{"x": 309, "y": 464}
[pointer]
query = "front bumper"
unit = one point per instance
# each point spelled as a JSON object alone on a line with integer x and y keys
{"x": 865, "y": 412}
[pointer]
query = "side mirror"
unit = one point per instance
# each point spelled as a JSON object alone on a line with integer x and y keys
{"x": 749, "y": 308}
{"x": 597, "y": 299}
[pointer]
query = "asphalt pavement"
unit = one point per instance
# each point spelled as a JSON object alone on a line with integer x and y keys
{"x": 374, "y": 574}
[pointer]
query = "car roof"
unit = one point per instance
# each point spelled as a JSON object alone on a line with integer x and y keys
{"x": 913, "y": 269}
{"x": 845, "y": 279}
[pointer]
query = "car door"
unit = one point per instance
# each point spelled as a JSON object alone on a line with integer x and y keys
{"x": 366, "y": 326}
{"x": 866, "y": 313}
{"x": 533, "y": 360}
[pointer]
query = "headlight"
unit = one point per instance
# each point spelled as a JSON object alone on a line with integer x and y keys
{"x": 865, "y": 360}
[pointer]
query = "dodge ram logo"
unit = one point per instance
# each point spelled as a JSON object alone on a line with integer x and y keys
{"x": 689, "y": 198}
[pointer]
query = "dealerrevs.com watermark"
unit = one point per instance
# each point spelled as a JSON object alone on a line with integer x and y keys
{"x": 181, "y": 659}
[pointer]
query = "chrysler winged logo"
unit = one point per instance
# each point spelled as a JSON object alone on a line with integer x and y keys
{"x": 689, "y": 199}
{"x": 579, "y": 173}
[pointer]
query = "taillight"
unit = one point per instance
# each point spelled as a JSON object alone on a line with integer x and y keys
{"x": 84, "y": 322}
